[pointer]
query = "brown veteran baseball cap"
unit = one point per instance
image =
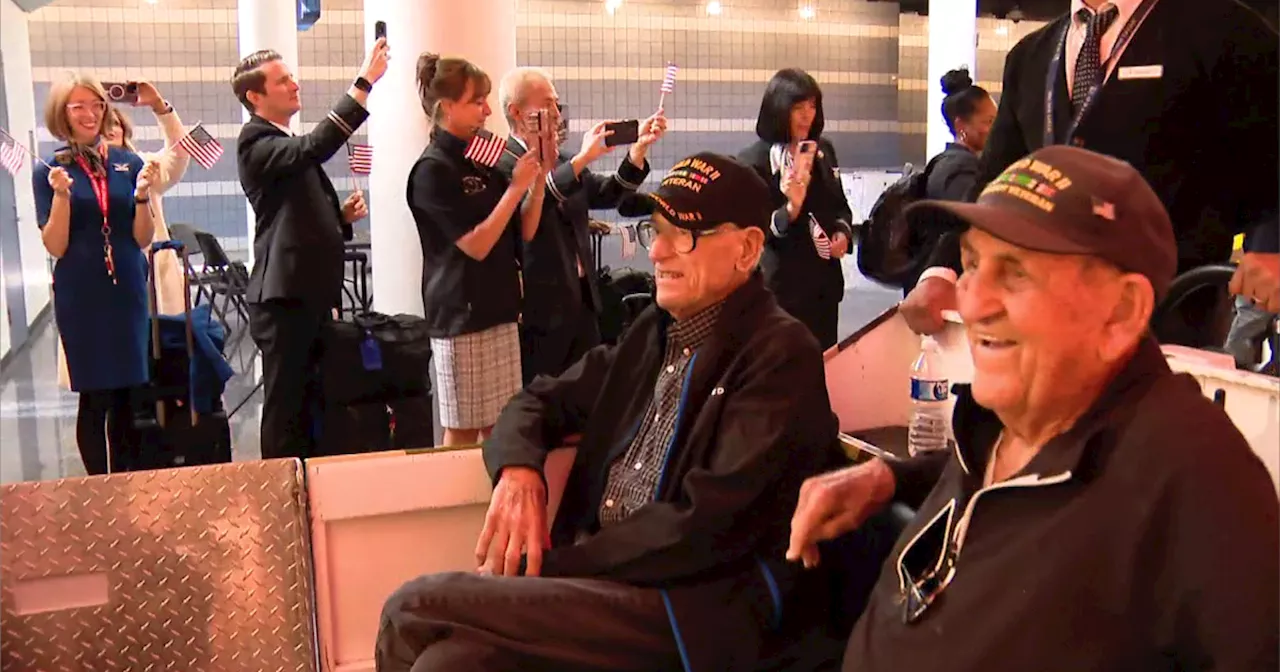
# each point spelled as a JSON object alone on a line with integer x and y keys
{"x": 704, "y": 191}
{"x": 1067, "y": 200}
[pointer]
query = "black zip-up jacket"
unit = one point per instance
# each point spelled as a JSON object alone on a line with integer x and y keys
{"x": 754, "y": 422}
{"x": 1145, "y": 539}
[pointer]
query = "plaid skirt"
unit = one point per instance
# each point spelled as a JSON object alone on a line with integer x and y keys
{"x": 476, "y": 375}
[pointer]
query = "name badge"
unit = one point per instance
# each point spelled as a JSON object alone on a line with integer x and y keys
{"x": 1140, "y": 72}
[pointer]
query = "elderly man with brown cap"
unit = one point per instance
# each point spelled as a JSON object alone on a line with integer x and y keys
{"x": 1098, "y": 512}
{"x": 667, "y": 550}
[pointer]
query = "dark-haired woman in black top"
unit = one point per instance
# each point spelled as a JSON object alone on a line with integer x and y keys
{"x": 469, "y": 217}
{"x": 810, "y": 230}
{"x": 969, "y": 111}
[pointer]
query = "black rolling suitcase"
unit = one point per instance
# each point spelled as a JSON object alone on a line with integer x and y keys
{"x": 169, "y": 431}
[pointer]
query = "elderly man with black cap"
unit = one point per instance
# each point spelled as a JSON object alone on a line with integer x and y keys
{"x": 1098, "y": 512}
{"x": 697, "y": 430}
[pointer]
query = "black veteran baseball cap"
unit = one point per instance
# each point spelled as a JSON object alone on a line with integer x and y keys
{"x": 1067, "y": 200}
{"x": 704, "y": 191}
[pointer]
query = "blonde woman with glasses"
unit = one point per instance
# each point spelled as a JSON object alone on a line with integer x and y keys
{"x": 93, "y": 208}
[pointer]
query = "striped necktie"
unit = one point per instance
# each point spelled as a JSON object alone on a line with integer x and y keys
{"x": 1088, "y": 74}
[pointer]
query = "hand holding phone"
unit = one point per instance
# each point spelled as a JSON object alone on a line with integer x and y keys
{"x": 802, "y": 162}
{"x": 624, "y": 132}
{"x": 121, "y": 92}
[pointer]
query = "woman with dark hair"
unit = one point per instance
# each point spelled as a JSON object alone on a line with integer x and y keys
{"x": 810, "y": 230}
{"x": 969, "y": 111}
{"x": 466, "y": 213}
{"x": 952, "y": 174}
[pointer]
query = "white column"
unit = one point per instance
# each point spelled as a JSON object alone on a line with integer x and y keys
{"x": 953, "y": 40}
{"x": 20, "y": 100}
{"x": 268, "y": 24}
{"x": 483, "y": 32}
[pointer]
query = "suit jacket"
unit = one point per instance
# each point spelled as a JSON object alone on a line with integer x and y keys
{"x": 299, "y": 232}
{"x": 552, "y": 290}
{"x": 1203, "y": 133}
{"x": 792, "y": 267}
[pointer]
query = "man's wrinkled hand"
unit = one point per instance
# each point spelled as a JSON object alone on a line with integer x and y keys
{"x": 515, "y": 525}
{"x": 1257, "y": 278}
{"x": 835, "y": 503}
{"x": 922, "y": 309}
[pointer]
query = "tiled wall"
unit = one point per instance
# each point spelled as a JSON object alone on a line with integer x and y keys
{"x": 869, "y": 60}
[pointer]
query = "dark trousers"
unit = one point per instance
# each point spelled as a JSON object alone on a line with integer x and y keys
{"x": 820, "y": 314}
{"x": 549, "y": 352}
{"x": 463, "y": 622}
{"x": 104, "y": 422}
{"x": 288, "y": 334}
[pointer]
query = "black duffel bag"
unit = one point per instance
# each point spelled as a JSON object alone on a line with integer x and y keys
{"x": 376, "y": 357}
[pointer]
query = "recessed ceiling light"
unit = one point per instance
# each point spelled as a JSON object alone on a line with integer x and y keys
{"x": 807, "y": 12}
{"x": 611, "y": 6}
{"x": 714, "y": 8}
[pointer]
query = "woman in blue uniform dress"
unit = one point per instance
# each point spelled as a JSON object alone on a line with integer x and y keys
{"x": 94, "y": 216}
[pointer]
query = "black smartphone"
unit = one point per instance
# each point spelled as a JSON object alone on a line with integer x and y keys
{"x": 624, "y": 132}
{"x": 379, "y": 30}
{"x": 121, "y": 92}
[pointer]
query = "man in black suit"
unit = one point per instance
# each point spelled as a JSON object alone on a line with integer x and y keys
{"x": 1184, "y": 90}
{"x": 298, "y": 236}
{"x": 560, "y": 313}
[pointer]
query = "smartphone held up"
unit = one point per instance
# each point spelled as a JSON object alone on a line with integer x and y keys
{"x": 542, "y": 134}
{"x": 121, "y": 92}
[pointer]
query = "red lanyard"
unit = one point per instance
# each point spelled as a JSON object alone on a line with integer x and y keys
{"x": 99, "y": 183}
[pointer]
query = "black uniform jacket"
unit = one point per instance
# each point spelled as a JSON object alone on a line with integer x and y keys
{"x": 792, "y": 267}
{"x": 449, "y": 195}
{"x": 299, "y": 231}
{"x": 552, "y": 288}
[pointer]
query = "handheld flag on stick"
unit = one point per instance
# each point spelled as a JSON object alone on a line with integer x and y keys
{"x": 668, "y": 82}
{"x": 201, "y": 146}
{"x": 485, "y": 148}
{"x": 360, "y": 159}
{"x": 14, "y": 154}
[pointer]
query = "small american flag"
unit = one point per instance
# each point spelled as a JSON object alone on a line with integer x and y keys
{"x": 201, "y": 146}
{"x": 821, "y": 242}
{"x": 12, "y": 156}
{"x": 486, "y": 148}
{"x": 669, "y": 78}
{"x": 360, "y": 157}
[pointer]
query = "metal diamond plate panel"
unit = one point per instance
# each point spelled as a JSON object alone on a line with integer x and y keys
{"x": 195, "y": 569}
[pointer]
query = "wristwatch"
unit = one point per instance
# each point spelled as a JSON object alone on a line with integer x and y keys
{"x": 363, "y": 84}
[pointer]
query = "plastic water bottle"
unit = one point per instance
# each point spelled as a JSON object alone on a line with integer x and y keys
{"x": 929, "y": 392}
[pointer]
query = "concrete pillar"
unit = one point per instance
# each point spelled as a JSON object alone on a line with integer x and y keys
{"x": 482, "y": 31}
{"x": 268, "y": 24}
{"x": 24, "y": 261}
{"x": 953, "y": 40}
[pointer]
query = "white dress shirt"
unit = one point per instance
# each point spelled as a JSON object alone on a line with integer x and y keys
{"x": 1075, "y": 36}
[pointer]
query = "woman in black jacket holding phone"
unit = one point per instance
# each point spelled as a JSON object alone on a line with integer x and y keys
{"x": 469, "y": 218}
{"x": 810, "y": 230}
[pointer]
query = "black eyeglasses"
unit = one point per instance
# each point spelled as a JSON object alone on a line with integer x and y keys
{"x": 683, "y": 241}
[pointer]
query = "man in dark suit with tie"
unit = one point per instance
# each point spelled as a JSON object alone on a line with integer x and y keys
{"x": 298, "y": 236}
{"x": 561, "y": 308}
{"x": 1184, "y": 90}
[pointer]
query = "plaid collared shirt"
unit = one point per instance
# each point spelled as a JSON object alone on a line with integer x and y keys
{"x": 633, "y": 477}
